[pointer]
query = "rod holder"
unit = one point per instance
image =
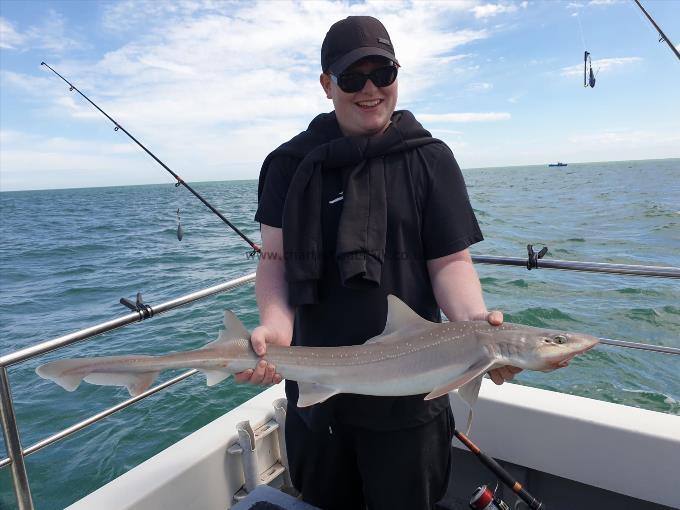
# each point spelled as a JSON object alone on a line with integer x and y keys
{"x": 246, "y": 439}
{"x": 280, "y": 405}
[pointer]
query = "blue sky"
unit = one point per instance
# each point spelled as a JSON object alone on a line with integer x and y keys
{"x": 211, "y": 87}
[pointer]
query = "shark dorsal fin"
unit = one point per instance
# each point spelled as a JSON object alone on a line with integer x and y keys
{"x": 401, "y": 316}
{"x": 233, "y": 330}
{"x": 233, "y": 326}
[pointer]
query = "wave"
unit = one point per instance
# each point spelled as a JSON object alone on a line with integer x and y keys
{"x": 638, "y": 291}
{"x": 540, "y": 317}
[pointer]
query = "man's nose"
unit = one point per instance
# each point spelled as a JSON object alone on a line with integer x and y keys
{"x": 369, "y": 87}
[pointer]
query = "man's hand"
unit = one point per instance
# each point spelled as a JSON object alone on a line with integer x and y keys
{"x": 264, "y": 373}
{"x": 506, "y": 373}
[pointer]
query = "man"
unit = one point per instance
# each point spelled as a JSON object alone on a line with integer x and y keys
{"x": 363, "y": 204}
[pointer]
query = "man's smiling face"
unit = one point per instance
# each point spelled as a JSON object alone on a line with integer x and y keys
{"x": 368, "y": 111}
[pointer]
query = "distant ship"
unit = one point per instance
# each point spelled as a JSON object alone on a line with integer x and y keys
{"x": 559, "y": 163}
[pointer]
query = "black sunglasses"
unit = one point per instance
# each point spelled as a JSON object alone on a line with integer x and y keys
{"x": 354, "y": 82}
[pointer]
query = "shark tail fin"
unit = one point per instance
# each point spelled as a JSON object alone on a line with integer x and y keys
{"x": 62, "y": 372}
{"x": 70, "y": 373}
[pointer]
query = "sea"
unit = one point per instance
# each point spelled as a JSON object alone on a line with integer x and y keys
{"x": 67, "y": 257}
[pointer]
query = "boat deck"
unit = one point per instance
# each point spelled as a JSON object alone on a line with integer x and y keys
{"x": 571, "y": 452}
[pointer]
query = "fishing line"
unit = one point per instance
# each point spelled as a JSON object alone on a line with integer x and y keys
{"x": 588, "y": 75}
{"x": 180, "y": 181}
{"x": 583, "y": 41}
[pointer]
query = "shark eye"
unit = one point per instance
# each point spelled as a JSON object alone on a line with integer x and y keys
{"x": 561, "y": 339}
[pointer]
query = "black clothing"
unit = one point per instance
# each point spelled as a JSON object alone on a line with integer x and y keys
{"x": 360, "y": 247}
{"x": 351, "y": 468}
{"x": 386, "y": 452}
{"x": 352, "y": 39}
{"x": 428, "y": 216}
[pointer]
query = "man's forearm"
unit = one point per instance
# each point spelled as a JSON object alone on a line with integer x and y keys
{"x": 271, "y": 292}
{"x": 456, "y": 287}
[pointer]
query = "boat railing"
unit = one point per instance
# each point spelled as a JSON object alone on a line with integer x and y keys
{"x": 16, "y": 453}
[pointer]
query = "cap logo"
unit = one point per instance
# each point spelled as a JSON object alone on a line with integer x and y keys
{"x": 384, "y": 41}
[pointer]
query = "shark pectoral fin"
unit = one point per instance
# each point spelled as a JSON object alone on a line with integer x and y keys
{"x": 475, "y": 370}
{"x": 212, "y": 377}
{"x": 469, "y": 393}
{"x": 314, "y": 393}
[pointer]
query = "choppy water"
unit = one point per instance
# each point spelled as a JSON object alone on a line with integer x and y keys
{"x": 68, "y": 256}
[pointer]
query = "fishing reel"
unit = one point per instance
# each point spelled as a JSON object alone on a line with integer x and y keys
{"x": 485, "y": 499}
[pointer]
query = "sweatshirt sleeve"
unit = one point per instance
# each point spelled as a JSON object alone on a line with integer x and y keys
{"x": 277, "y": 181}
{"x": 449, "y": 222}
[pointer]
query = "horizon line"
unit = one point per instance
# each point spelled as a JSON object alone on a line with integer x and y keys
{"x": 256, "y": 178}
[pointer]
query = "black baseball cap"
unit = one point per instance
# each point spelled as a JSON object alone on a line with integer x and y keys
{"x": 352, "y": 39}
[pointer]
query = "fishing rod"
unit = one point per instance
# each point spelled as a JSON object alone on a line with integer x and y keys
{"x": 255, "y": 247}
{"x": 501, "y": 473}
{"x": 663, "y": 37}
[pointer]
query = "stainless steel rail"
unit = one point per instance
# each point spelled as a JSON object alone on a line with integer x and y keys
{"x": 640, "y": 346}
{"x": 16, "y": 454}
{"x": 13, "y": 443}
{"x": 9, "y": 425}
{"x": 99, "y": 416}
{"x": 590, "y": 267}
{"x": 71, "y": 338}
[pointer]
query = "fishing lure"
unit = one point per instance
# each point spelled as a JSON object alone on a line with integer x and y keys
{"x": 588, "y": 75}
{"x": 180, "y": 231}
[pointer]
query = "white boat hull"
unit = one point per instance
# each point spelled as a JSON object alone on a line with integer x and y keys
{"x": 559, "y": 441}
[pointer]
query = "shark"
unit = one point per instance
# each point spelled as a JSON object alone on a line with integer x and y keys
{"x": 412, "y": 356}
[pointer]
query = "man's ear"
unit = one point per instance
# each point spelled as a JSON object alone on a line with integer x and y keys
{"x": 325, "y": 81}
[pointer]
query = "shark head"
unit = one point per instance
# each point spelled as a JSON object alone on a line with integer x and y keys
{"x": 548, "y": 350}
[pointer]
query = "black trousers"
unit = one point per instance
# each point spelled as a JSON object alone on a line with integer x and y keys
{"x": 352, "y": 468}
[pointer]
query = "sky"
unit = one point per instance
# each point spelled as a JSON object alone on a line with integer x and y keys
{"x": 211, "y": 87}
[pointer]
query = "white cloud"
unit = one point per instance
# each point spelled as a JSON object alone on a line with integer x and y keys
{"x": 442, "y": 131}
{"x": 51, "y": 157}
{"x": 489, "y": 10}
{"x": 208, "y": 65}
{"x": 514, "y": 99}
{"x": 480, "y": 87}
{"x": 603, "y": 64}
{"x": 52, "y": 35}
{"x": 212, "y": 86}
{"x": 9, "y": 37}
{"x": 463, "y": 117}
{"x": 625, "y": 139}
